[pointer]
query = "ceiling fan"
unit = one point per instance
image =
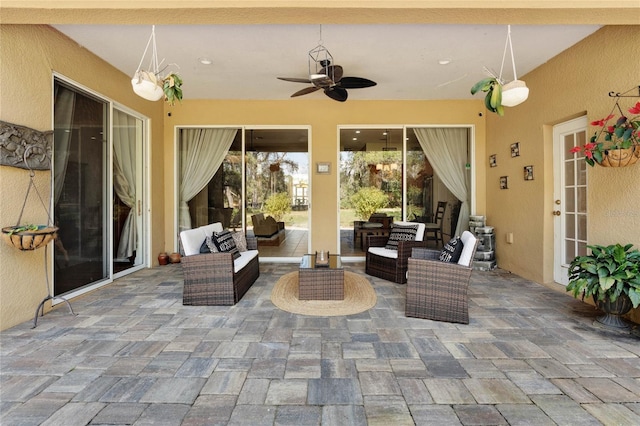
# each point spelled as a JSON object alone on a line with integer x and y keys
{"x": 330, "y": 79}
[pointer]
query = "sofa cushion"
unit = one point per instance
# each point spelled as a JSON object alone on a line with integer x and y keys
{"x": 451, "y": 251}
{"x": 419, "y": 233}
{"x": 245, "y": 257}
{"x": 191, "y": 240}
{"x": 211, "y": 228}
{"x": 225, "y": 243}
{"x": 401, "y": 233}
{"x": 211, "y": 245}
{"x": 240, "y": 240}
{"x": 204, "y": 248}
{"x": 469, "y": 242}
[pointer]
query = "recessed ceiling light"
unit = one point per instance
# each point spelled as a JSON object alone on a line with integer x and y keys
{"x": 205, "y": 61}
{"x": 357, "y": 131}
{"x": 355, "y": 139}
{"x": 445, "y": 61}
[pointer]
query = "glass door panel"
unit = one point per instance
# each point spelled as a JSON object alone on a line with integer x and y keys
{"x": 80, "y": 189}
{"x": 127, "y": 191}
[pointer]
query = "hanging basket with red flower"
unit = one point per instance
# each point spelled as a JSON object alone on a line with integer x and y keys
{"x": 616, "y": 143}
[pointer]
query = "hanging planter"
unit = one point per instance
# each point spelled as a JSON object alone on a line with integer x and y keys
{"x": 499, "y": 93}
{"x": 620, "y": 157}
{"x": 29, "y": 237}
{"x": 149, "y": 84}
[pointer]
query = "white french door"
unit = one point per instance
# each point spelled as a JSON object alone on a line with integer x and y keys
{"x": 570, "y": 196}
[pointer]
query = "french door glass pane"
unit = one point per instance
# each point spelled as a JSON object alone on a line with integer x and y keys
{"x": 80, "y": 207}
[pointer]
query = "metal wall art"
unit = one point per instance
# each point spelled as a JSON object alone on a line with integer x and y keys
{"x": 24, "y": 147}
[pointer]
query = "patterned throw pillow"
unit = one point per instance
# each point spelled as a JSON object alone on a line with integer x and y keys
{"x": 225, "y": 243}
{"x": 212, "y": 246}
{"x": 240, "y": 240}
{"x": 401, "y": 233}
{"x": 452, "y": 251}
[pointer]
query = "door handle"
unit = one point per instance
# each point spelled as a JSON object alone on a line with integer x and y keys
{"x": 557, "y": 213}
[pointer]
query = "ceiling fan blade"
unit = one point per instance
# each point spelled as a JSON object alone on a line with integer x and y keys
{"x": 305, "y": 91}
{"x": 356, "y": 83}
{"x": 295, "y": 80}
{"x": 336, "y": 93}
{"x": 334, "y": 71}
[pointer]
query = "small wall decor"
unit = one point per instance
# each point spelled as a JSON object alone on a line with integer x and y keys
{"x": 493, "y": 162}
{"x": 504, "y": 182}
{"x": 515, "y": 149}
{"x": 323, "y": 168}
{"x": 528, "y": 172}
{"x": 24, "y": 147}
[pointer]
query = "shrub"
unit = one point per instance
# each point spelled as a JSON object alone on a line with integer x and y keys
{"x": 277, "y": 205}
{"x": 367, "y": 201}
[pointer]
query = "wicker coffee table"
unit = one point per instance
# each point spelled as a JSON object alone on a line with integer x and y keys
{"x": 320, "y": 282}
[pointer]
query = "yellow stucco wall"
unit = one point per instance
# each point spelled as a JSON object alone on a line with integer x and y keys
{"x": 324, "y": 116}
{"x": 574, "y": 83}
{"x": 29, "y": 54}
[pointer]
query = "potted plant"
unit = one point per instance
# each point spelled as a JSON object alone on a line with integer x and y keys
{"x": 617, "y": 144}
{"x": 151, "y": 87}
{"x": 29, "y": 237}
{"x": 493, "y": 87}
{"x": 611, "y": 275}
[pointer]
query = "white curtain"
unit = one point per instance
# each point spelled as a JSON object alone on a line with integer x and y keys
{"x": 202, "y": 151}
{"x": 63, "y": 109}
{"x": 124, "y": 178}
{"x": 446, "y": 150}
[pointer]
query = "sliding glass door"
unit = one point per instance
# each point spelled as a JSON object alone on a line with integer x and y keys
{"x": 98, "y": 189}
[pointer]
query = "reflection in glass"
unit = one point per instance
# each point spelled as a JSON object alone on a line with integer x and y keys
{"x": 582, "y": 199}
{"x": 570, "y": 200}
{"x": 570, "y": 226}
{"x": 569, "y": 172}
{"x": 570, "y": 251}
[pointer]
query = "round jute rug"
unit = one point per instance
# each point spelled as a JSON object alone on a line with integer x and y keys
{"x": 359, "y": 296}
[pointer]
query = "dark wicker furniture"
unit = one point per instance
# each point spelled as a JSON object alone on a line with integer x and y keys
{"x": 438, "y": 290}
{"x": 209, "y": 278}
{"x": 320, "y": 282}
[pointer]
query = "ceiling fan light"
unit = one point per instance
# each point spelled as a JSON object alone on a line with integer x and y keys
{"x": 514, "y": 93}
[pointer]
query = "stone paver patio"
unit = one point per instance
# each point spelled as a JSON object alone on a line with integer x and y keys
{"x": 135, "y": 355}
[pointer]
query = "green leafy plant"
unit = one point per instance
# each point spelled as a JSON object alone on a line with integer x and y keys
{"x": 493, "y": 87}
{"x": 624, "y": 133}
{"x": 368, "y": 200}
{"x": 607, "y": 273}
{"x": 277, "y": 205}
{"x": 172, "y": 88}
{"x": 23, "y": 228}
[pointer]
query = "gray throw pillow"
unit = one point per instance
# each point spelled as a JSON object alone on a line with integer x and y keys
{"x": 240, "y": 240}
{"x": 212, "y": 246}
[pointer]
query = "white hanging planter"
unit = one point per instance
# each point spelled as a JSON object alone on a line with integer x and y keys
{"x": 514, "y": 93}
{"x": 149, "y": 84}
{"x": 145, "y": 85}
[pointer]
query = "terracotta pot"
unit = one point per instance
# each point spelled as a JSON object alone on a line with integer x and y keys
{"x": 620, "y": 157}
{"x": 163, "y": 258}
{"x": 174, "y": 257}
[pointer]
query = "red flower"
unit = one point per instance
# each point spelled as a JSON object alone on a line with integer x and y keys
{"x": 635, "y": 109}
{"x": 575, "y": 149}
{"x": 588, "y": 154}
{"x": 590, "y": 146}
{"x": 600, "y": 123}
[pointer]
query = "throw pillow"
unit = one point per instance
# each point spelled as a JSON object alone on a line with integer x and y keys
{"x": 240, "y": 240}
{"x": 212, "y": 246}
{"x": 204, "y": 248}
{"x": 451, "y": 251}
{"x": 225, "y": 243}
{"x": 401, "y": 233}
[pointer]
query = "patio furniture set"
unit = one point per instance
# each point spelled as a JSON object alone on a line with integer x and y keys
{"x": 437, "y": 280}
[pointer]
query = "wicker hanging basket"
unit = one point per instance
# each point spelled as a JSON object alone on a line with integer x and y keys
{"x": 31, "y": 239}
{"x": 621, "y": 157}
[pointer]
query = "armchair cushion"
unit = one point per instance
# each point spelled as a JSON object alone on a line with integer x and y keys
{"x": 469, "y": 249}
{"x": 452, "y": 251}
{"x": 225, "y": 243}
{"x": 401, "y": 233}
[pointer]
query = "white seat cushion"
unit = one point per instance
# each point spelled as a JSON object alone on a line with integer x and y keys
{"x": 245, "y": 257}
{"x": 384, "y": 252}
{"x": 211, "y": 228}
{"x": 469, "y": 242}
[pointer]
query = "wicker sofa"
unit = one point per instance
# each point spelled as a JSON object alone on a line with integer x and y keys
{"x": 438, "y": 290}
{"x": 387, "y": 263}
{"x": 216, "y": 278}
{"x": 265, "y": 226}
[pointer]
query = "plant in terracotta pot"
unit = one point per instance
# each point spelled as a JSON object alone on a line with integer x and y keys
{"x": 617, "y": 141}
{"x": 611, "y": 275}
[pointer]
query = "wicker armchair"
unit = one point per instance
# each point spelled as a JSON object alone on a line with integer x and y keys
{"x": 438, "y": 290}
{"x": 216, "y": 278}
{"x": 390, "y": 264}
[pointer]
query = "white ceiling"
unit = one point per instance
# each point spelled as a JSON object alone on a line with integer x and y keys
{"x": 401, "y": 58}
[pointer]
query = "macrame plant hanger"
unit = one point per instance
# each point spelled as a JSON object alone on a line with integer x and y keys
{"x": 32, "y": 239}
{"x": 516, "y": 91}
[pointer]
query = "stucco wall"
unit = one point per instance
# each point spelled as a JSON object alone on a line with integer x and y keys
{"x": 28, "y": 57}
{"x": 574, "y": 83}
{"x": 324, "y": 116}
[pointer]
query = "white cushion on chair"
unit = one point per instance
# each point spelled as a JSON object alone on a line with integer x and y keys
{"x": 384, "y": 252}
{"x": 211, "y": 228}
{"x": 469, "y": 242}
{"x": 192, "y": 240}
{"x": 419, "y": 232}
